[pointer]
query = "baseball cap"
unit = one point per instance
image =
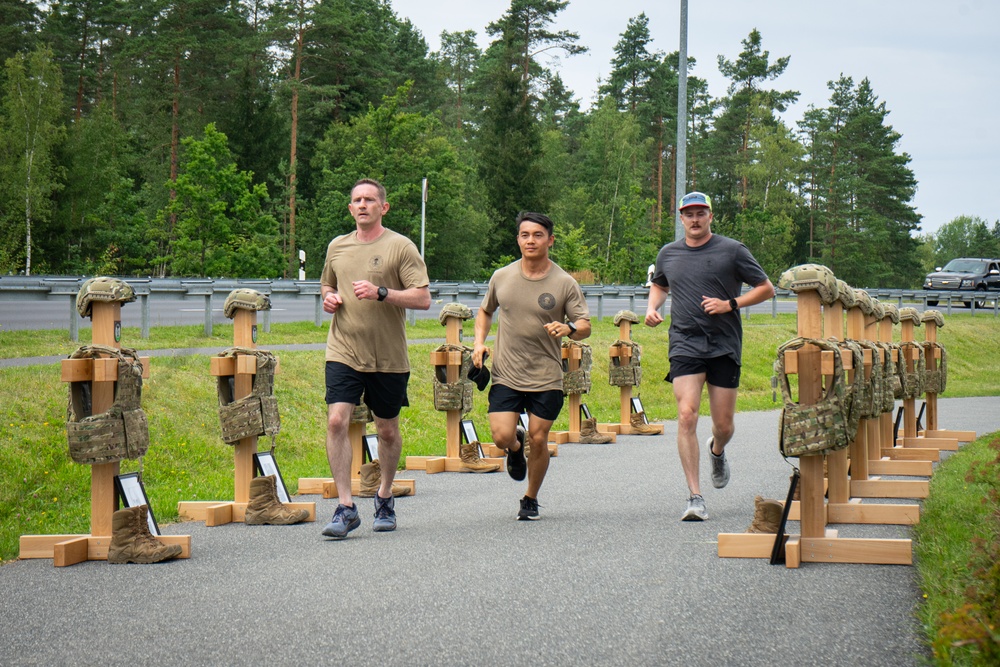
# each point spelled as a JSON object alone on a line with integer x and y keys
{"x": 695, "y": 199}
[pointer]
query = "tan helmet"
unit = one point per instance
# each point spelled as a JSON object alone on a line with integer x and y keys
{"x": 454, "y": 309}
{"x": 934, "y": 316}
{"x": 806, "y": 277}
{"x": 878, "y": 310}
{"x": 891, "y": 311}
{"x": 103, "y": 289}
{"x": 245, "y": 299}
{"x": 864, "y": 301}
{"x": 845, "y": 294}
{"x": 625, "y": 316}
{"x": 909, "y": 314}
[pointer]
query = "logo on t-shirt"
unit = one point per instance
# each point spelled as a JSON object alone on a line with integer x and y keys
{"x": 547, "y": 301}
{"x": 375, "y": 263}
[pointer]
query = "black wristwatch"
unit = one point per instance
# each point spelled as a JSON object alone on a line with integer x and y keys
{"x": 572, "y": 329}
{"x": 733, "y": 304}
{"x": 382, "y": 293}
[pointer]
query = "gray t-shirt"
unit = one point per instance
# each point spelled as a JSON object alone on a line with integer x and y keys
{"x": 717, "y": 269}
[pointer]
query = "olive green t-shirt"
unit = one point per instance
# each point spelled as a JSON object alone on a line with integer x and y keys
{"x": 526, "y": 357}
{"x": 370, "y": 335}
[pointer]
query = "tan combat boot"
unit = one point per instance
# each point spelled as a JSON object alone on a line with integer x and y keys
{"x": 265, "y": 508}
{"x": 639, "y": 425}
{"x": 131, "y": 541}
{"x": 589, "y": 435}
{"x": 371, "y": 479}
{"x": 471, "y": 461}
{"x": 766, "y": 516}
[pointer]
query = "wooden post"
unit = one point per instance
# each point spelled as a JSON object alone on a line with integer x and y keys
{"x": 572, "y": 355}
{"x": 624, "y": 356}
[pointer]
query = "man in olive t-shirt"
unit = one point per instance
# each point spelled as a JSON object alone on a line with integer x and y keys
{"x": 539, "y": 304}
{"x": 370, "y": 277}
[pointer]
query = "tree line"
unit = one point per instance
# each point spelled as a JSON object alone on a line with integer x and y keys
{"x": 220, "y": 137}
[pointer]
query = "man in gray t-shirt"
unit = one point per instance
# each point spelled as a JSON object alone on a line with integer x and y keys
{"x": 704, "y": 274}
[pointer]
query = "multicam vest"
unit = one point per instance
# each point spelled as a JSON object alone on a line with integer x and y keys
{"x": 255, "y": 414}
{"x": 873, "y": 396}
{"x": 912, "y": 381}
{"x": 819, "y": 428}
{"x": 120, "y": 433}
{"x": 453, "y": 395}
{"x": 578, "y": 381}
{"x": 893, "y": 372}
{"x": 935, "y": 380}
{"x": 857, "y": 392}
{"x": 629, "y": 374}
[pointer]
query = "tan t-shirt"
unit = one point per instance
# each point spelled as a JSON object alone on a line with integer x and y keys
{"x": 370, "y": 335}
{"x": 526, "y": 357}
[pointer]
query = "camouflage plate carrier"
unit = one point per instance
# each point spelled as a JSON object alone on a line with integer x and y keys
{"x": 120, "y": 433}
{"x": 912, "y": 382}
{"x": 454, "y": 395}
{"x": 857, "y": 391}
{"x": 578, "y": 381}
{"x": 819, "y": 428}
{"x": 873, "y": 395}
{"x": 255, "y": 414}
{"x": 629, "y": 375}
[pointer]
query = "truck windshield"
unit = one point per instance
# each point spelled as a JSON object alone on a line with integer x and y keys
{"x": 965, "y": 266}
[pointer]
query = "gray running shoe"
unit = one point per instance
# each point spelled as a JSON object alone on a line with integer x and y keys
{"x": 529, "y": 509}
{"x": 720, "y": 467}
{"x": 385, "y": 514}
{"x": 345, "y": 519}
{"x": 696, "y": 510}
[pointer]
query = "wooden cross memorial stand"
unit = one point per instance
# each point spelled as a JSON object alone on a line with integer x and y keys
{"x": 816, "y": 543}
{"x": 571, "y": 356}
{"x": 933, "y": 360}
{"x": 451, "y": 462}
{"x": 102, "y": 373}
{"x": 241, "y": 367}
{"x": 621, "y": 356}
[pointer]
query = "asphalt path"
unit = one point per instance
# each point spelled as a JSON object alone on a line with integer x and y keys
{"x": 608, "y": 576}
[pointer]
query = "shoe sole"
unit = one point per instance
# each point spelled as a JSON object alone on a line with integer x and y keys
{"x": 333, "y": 536}
{"x": 691, "y": 516}
{"x": 376, "y": 528}
{"x": 528, "y": 518}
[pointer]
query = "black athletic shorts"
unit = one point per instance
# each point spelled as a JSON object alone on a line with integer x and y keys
{"x": 719, "y": 371}
{"x": 384, "y": 393}
{"x": 544, "y": 404}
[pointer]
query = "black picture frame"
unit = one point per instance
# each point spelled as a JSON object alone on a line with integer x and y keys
{"x": 266, "y": 464}
{"x": 132, "y": 493}
{"x": 585, "y": 411}
{"x": 371, "y": 446}
{"x": 637, "y": 408}
{"x": 469, "y": 433}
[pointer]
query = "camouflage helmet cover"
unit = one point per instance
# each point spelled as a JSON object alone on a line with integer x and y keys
{"x": 245, "y": 299}
{"x": 845, "y": 294}
{"x": 864, "y": 301}
{"x": 454, "y": 309}
{"x": 878, "y": 310}
{"x": 910, "y": 314}
{"x": 934, "y": 316}
{"x": 891, "y": 311}
{"x": 103, "y": 289}
{"x": 625, "y": 316}
{"x": 806, "y": 277}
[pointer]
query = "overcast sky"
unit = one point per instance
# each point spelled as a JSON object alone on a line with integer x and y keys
{"x": 935, "y": 64}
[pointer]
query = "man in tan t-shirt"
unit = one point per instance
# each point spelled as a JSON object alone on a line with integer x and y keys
{"x": 370, "y": 277}
{"x": 540, "y": 303}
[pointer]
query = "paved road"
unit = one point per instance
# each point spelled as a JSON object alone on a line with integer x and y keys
{"x": 609, "y": 576}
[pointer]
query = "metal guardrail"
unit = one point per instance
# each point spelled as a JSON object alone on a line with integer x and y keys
{"x": 66, "y": 288}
